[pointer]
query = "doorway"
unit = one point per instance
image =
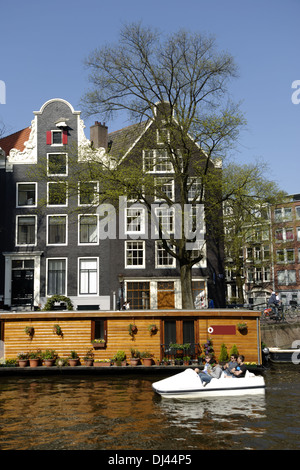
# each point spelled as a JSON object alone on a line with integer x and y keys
{"x": 22, "y": 281}
{"x": 165, "y": 295}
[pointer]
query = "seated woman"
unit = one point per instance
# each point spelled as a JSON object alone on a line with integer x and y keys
{"x": 211, "y": 370}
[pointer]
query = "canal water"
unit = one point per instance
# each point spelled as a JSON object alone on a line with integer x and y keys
{"x": 123, "y": 413}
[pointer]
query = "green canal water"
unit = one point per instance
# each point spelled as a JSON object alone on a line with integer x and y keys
{"x": 96, "y": 412}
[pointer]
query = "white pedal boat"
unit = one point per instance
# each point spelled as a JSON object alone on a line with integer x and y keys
{"x": 188, "y": 384}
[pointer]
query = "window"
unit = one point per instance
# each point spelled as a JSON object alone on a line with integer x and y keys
{"x": 57, "y": 164}
{"x": 26, "y": 230}
{"x": 26, "y": 194}
{"x": 56, "y": 273}
{"x": 88, "y": 276}
{"x": 285, "y": 256}
{"x": 297, "y": 209}
{"x": 194, "y": 189}
{"x": 88, "y": 193}
{"x": 162, "y": 257}
{"x": 88, "y": 229}
{"x": 138, "y": 295}
{"x": 157, "y": 161}
{"x": 57, "y": 137}
{"x": 57, "y": 194}
{"x": 286, "y": 277}
{"x": 162, "y": 136}
{"x": 135, "y": 220}
{"x": 165, "y": 220}
{"x": 283, "y": 214}
{"x": 134, "y": 254}
{"x": 164, "y": 188}
{"x": 284, "y": 235}
{"x": 99, "y": 329}
{"x": 57, "y": 230}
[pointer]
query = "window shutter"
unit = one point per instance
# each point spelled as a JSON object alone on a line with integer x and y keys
{"x": 49, "y": 138}
{"x": 65, "y": 137}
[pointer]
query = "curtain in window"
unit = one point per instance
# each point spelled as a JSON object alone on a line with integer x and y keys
{"x": 88, "y": 276}
{"x": 56, "y": 277}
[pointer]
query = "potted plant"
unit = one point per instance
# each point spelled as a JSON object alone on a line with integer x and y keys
{"x": 119, "y": 358}
{"x": 89, "y": 358}
{"x": 186, "y": 360}
{"x": 147, "y": 358}
{"x": 132, "y": 329}
{"x": 58, "y": 299}
{"x": 34, "y": 358}
{"x": 242, "y": 327}
{"x": 73, "y": 359}
{"x": 29, "y": 330}
{"x": 99, "y": 343}
{"x": 22, "y": 359}
{"x": 153, "y": 329}
{"x": 49, "y": 357}
{"x": 102, "y": 363}
{"x": 57, "y": 330}
{"x": 135, "y": 357}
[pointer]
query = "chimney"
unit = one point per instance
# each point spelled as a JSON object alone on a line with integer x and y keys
{"x": 99, "y": 135}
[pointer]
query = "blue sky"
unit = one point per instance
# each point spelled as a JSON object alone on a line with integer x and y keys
{"x": 43, "y": 46}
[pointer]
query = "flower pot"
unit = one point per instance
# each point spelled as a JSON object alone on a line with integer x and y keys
{"x": 23, "y": 362}
{"x": 89, "y": 362}
{"x": 101, "y": 364}
{"x": 73, "y": 362}
{"x": 147, "y": 361}
{"x": 134, "y": 361}
{"x": 49, "y": 362}
{"x": 99, "y": 345}
{"x": 34, "y": 362}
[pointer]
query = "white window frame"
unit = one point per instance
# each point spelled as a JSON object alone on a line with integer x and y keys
{"x": 57, "y": 205}
{"x": 35, "y": 229}
{"x": 96, "y": 194}
{"x": 168, "y": 226}
{"x": 18, "y": 185}
{"x": 92, "y": 294}
{"x": 138, "y": 220}
{"x": 57, "y": 131}
{"x": 155, "y": 158}
{"x": 161, "y": 248}
{"x": 165, "y": 181}
{"x": 57, "y": 174}
{"x": 49, "y": 216}
{"x": 97, "y": 229}
{"x": 47, "y": 274}
{"x": 127, "y": 250}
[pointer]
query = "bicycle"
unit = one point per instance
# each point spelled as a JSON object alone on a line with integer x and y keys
{"x": 273, "y": 314}
{"x": 292, "y": 315}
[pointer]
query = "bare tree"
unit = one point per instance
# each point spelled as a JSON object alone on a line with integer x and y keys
{"x": 188, "y": 73}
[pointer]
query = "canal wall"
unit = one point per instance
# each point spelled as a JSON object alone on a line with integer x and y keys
{"x": 280, "y": 336}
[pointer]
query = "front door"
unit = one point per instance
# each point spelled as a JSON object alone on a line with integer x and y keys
{"x": 22, "y": 282}
{"x": 165, "y": 295}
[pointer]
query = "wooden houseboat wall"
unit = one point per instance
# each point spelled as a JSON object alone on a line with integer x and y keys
{"x": 78, "y": 330}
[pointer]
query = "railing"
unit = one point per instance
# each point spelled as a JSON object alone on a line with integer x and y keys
{"x": 179, "y": 351}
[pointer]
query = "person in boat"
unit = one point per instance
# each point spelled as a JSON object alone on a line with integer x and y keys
{"x": 231, "y": 364}
{"x": 211, "y": 370}
{"x": 241, "y": 368}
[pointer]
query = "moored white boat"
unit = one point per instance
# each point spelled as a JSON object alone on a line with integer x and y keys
{"x": 188, "y": 384}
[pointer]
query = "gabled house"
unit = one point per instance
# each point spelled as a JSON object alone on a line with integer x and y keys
{"x": 57, "y": 249}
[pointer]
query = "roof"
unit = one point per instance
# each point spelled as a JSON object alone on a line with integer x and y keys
{"x": 15, "y": 141}
{"x": 121, "y": 141}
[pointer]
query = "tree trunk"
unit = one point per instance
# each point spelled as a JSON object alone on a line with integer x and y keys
{"x": 186, "y": 287}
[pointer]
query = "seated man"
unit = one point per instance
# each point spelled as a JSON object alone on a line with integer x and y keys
{"x": 211, "y": 370}
{"x": 231, "y": 364}
{"x": 241, "y": 369}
